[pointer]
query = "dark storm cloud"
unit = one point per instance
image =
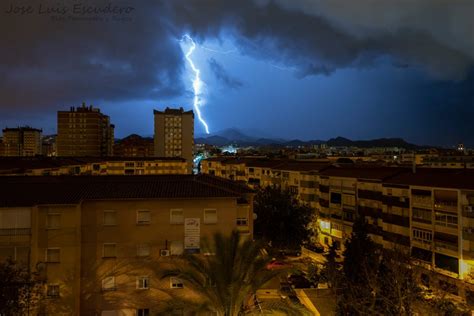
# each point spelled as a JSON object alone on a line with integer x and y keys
{"x": 310, "y": 36}
{"x": 46, "y": 65}
{"x": 55, "y": 64}
{"x": 221, "y": 74}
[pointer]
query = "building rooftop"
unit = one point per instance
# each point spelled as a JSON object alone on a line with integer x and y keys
{"x": 18, "y": 164}
{"x": 292, "y": 165}
{"x": 22, "y": 128}
{"x": 174, "y": 111}
{"x": 436, "y": 177}
{"x": 30, "y": 191}
{"x": 366, "y": 172}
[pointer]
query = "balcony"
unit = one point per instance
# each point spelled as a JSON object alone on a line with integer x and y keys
{"x": 396, "y": 201}
{"x": 468, "y": 233}
{"x": 370, "y": 211}
{"x": 446, "y": 205}
{"x": 323, "y": 203}
{"x": 423, "y": 201}
{"x": 422, "y": 243}
{"x": 15, "y": 231}
{"x": 396, "y": 219}
{"x": 443, "y": 245}
{"x": 468, "y": 211}
{"x": 370, "y": 195}
{"x": 350, "y": 189}
{"x": 323, "y": 188}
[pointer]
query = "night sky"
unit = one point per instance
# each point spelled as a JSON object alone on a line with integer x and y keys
{"x": 294, "y": 69}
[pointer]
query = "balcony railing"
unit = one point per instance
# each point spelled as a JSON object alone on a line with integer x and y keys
{"x": 15, "y": 231}
{"x": 440, "y": 245}
{"x": 396, "y": 201}
{"x": 370, "y": 195}
{"x": 446, "y": 205}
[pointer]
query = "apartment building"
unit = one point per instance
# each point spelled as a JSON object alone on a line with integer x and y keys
{"x": 428, "y": 212}
{"x": 134, "y": 146}
{"x": 99, "y": 243}
{"x": 450, "y": 161}
{"x": 84, "y": 132}
{"x": 174, "y": 133}
{"x": 55, "y": 166}
{"x": 21, "y": 141}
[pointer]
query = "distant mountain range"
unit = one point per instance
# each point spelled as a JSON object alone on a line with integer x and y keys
{"x": 233, "y": 136}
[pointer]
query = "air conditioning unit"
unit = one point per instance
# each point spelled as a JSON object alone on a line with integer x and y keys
{"x": 164, "y": 252}
{"x": 469, "y": 208}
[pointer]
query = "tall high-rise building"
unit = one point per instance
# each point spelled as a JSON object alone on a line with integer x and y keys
{"x": 21, "y": 141}
{"x": 174, "y": 133}
{"x": 84, "y": 131}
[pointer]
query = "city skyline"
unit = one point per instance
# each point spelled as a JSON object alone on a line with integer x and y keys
{"x": 409, "y": 74}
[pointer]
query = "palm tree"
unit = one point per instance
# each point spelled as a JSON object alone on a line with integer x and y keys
{"x": 227, "y": 280}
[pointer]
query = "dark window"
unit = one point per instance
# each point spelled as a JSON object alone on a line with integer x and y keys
{"x": 421, "y": 192}
{"x": 336, "y": 198}
{"x": 348, "y": 215}
{"x": 143, "y": 312}
{"x": 447, "y": 262}
{"x": 421, "y": 254}
{"x": 323, "y": 188}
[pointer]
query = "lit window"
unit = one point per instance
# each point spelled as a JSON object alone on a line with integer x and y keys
{"x": 52, "y": 290}
{"x": 210, "y": 216}
{"x": 110, "y": 218}
{"x": 143, "y": 250}
{"x": 143, "y": 217}
{"x": 176, "y": 283}
{"x": 143, "y": 283}
{"x": 109, "y": 250}
{"x": 53, "y": 221}
{"x": 176, "y": 216}
{"x": 324, "y": 225}
{"x": 108, "y": 284}
{"x": 52, "y": 255}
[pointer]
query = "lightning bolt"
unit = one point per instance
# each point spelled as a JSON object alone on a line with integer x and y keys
{"x": 197, "y": 83}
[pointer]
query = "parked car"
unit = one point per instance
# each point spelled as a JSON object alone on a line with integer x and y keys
{"x": 299, "y": 281}
{"x": 278, "y": 264}
{"x": 318, "y": 248}
{"x": 291, "y": 252}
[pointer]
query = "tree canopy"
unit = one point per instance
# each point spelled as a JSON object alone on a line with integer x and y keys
{"x": 281, "y": 218}
{"x": 18, "y": 290}
{"x": 227, "y": 280}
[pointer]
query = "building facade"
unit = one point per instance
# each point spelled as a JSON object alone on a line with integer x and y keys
{"x": 85, "y": 132}
{"x": 56, "y": 166}
{"x": 427, "y": 212}
{"x": 134, "y": 146}
{"x": 174, "y": 133}
{"x": 98, "y": 242}
{"x": 21, "y": 141}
